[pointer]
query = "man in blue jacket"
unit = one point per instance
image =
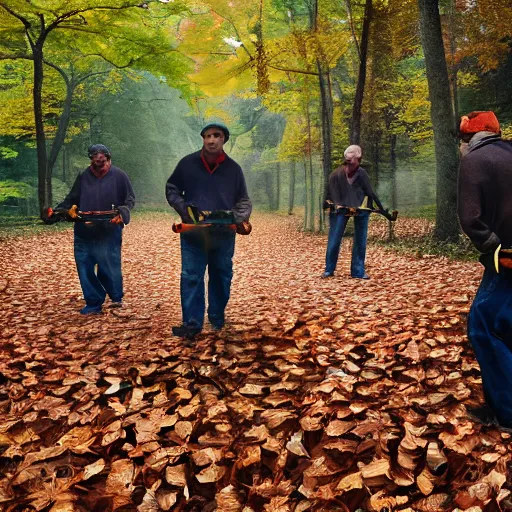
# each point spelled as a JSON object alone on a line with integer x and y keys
{"x": 211, "y": 181}
{"x": 101, "y": 186}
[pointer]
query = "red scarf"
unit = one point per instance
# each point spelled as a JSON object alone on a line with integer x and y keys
{"x": 100, "y": 173}
{"x": 215, "y": 164}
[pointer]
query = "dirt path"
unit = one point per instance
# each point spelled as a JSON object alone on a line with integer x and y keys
{"x": 371, "y": 375}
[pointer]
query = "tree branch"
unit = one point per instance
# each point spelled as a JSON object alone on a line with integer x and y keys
{"x": 291, "y": 70}
{"x": 236, "y": 31}
{"x": 60, "y": 71}
{"x": 17, "y": 56}
{"x": 23, "y": 20}
{"x": 74, "y": 12}
{"x": 212, "y": 53}
{"x": 352, "y": 28}
{"x": 131, "y": 61}
{"x": 84, "y": 78}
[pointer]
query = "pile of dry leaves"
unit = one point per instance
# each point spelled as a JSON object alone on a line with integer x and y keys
{"x": 335, "y": 394}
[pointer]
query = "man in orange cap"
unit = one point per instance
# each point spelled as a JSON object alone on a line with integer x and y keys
{"x": 485, "y": 214}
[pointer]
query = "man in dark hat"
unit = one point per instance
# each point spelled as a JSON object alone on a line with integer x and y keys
{"x": 100, "y": 187}
{"x": 209, "y": 180}
{"x": 485, "y": 214}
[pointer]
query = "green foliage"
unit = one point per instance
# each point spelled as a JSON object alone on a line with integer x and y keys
{"x": 79, "y": 49}
{"x": 7, "y": 153}
{"x": 10, "y": 189}
{"x": 131, "y": 71}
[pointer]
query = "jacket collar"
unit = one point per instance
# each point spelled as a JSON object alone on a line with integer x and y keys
{"x": 216, "y": 164}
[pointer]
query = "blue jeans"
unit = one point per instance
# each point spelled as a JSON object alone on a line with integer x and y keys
{"x": 100, "y": 247}
{"x": 490, "y": 334}
{"x": 213, "y": 247}
{"x": 337, "y": 225}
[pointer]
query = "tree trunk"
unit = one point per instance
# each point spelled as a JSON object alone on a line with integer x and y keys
{"x": 269, "y": 189}
{"x": 391, "y": 233}
{"x": 326, "y": 116}
{"x": 43, "y": 194}
{"x": 311, "y": 209}
{"x": 62, "y": 129}
{"x": 355, "y": 130}
{"x": 291, "y": 193}
{"x": 278, "y": 185}
{"x": 306, "y": 203}
{"x": 321, "y": 219}
{"x": 453, "y": 65}
{"x": 393, "y": 170}
{"x": 311, "y": 226}
{"x": 64, "y": 163}
{"x": 447, "y": 227}
{"x": 376, "y": 158}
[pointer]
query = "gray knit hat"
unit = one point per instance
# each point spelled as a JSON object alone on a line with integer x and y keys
{"x": 98, "y": 148}
{"x": 221, "y": 126}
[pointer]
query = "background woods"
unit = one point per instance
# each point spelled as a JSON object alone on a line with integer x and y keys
{"x": 296, "y": 82}
{"x": 340, "y": 395}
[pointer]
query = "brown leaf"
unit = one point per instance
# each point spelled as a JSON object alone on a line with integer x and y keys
{"x": 380, "y": 501}
{"x": 349, "y": 482}
{"x": 166, "y": 499}
{"x": 207, "y": 456}
{"x": 175, "y": 475}
{"x": 78, "y": 439}
{"x": 93, "y": 469}
{"x": 337, "y": 428}
{"x": 275, "y": 417}
{"x": 376, "y": 473}
{"x": 251, "y": 455}
{"x": 228, "y": 500}
{"x": 112, "y": 433}
{"x": 211, "y": 474}
{"x": 183, "y": 429}
{"x": 434, "y": 503}
{"x": 120, "y": 481}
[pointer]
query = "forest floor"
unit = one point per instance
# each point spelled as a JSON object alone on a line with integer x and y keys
{"x": 319, "y": 395}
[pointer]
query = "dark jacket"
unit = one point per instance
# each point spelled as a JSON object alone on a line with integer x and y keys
{"x": 92, "y": 193}
{"x": 223, "y": 189}
{"x": 484, "y": 201}
{"x": 342, "y": 193}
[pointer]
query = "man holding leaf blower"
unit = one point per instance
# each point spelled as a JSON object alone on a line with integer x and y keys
{"x": 99, "y": 203}
{"x": 208, "y": 191}
{"x": 350, "y": 194}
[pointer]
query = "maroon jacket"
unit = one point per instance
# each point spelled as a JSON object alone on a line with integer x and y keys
{"x": 485, "y": 194}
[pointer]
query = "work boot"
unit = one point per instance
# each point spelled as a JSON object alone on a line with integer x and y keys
{"x": 217, "y": 322}
{"x": 364, "y": 276}
{"x": 483, "y": 415}
{"x": 91, "y": 310}
{"x": 184, "y": 331}
{"x": 325, "y": 275}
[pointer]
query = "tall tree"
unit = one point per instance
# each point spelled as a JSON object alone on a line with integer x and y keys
{"x": 362, "y": 47}
{"x": 442, "y": 120}
{"x": 32, "y": 28}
